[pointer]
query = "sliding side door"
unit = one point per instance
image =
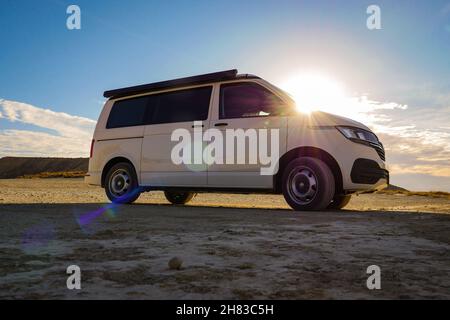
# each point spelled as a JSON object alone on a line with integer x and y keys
{"x": 177, "y": 109}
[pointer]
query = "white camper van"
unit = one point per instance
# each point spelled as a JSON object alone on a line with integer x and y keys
{"x": 320, "y": 159}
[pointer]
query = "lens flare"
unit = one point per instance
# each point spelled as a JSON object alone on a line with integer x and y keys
{"x": 87, "y": 221}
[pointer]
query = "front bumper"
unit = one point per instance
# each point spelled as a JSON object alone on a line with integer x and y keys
{"x": 366, "y": 171}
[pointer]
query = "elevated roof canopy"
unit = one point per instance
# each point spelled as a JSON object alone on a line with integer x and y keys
{"x": 204, "y": 78}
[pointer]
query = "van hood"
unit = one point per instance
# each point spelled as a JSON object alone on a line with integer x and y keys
{"x": 320, "y": 118}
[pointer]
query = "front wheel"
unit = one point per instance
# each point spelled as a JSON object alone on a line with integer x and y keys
{"x": 308, "y": 184}
{"x": 121, "y": 184}
{"x": 179, "y": 197}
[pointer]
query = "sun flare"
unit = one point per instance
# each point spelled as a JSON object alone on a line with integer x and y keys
{"x": 313, "y": 92}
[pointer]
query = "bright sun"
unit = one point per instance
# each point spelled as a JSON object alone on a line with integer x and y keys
{"x": 316, "y": 92}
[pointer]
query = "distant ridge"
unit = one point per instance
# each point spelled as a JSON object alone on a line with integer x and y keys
{"x": 395, "y": 188}
{"x": 14, "y": 167}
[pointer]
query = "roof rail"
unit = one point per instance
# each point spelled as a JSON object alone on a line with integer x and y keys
{"x": 204, "y": 78}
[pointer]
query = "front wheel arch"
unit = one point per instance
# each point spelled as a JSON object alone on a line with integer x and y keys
{"x": 312, "y": 152}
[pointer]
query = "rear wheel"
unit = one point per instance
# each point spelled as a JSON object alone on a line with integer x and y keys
{"x": 175, "y": 197}
{"x": 121, "y": 185}
{"x": 339, "y": 201}
{"x": 308, "y": 184}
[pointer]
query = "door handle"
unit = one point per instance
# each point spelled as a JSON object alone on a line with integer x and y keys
{"x": 221, "y": 124}
{"x": 198, "y": 126}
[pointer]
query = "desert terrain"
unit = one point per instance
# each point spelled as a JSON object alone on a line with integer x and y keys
{"x": 231, "y": 246}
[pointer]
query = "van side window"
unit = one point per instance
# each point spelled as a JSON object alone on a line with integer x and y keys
{"x": 183, "y": 105}
{"x": 127, "y": 113}
{"x": 241, "y": 100}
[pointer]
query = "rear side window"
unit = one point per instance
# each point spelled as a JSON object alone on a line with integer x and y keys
{"x": 127, "y": 113}
{"x": 242, "y": 100}
{"x": 182, "y": 106}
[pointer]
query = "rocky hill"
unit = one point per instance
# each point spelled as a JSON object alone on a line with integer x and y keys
{"x": 14, "y": 167}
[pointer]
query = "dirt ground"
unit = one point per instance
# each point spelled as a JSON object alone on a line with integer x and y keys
{"x": 232, "y": 246}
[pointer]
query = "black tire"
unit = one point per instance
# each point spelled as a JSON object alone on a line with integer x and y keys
{"x": 121, "y": 184}
{"x": 178, "y": 197}
{"x": 308, "y": 184}
{"x": 339, "y": 201}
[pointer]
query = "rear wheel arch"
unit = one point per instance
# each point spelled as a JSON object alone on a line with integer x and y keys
{"x": 112, "y": 163}
{"x": 312, "y": 152}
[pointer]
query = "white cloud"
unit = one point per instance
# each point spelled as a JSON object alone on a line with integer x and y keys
{"x": 41, "y": 144}
{"x": 417, "y": 140}
{"x": 63, "y": 123}
{"x": 71, "y": 138}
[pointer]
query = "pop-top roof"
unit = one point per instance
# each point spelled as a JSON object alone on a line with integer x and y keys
{"x": 204, "y": 78}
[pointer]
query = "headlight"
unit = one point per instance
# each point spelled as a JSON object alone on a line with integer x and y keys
{"x": 358, "y": 135}
{"x": 364, "y": 137}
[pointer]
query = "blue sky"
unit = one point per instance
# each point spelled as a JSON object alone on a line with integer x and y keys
{"x": 43, "y": 64}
